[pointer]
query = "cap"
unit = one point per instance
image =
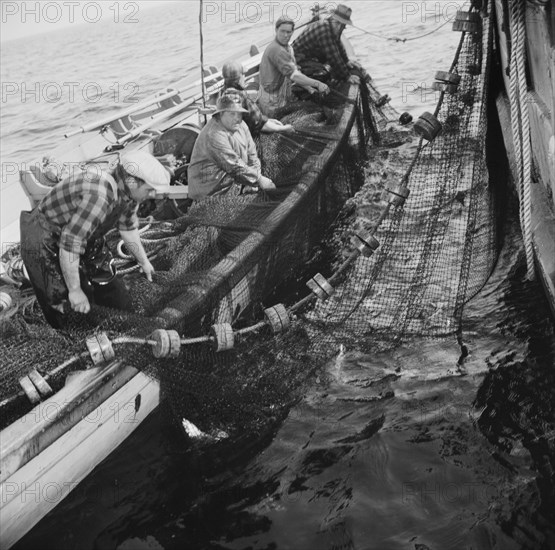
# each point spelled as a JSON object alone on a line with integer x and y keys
{"x": 284, "y": 20}
{"x": 232, "y": 70}
{"x": 230, "y": 101}
{"x": 342, "y": 14}
{"x": 143, "y": 165}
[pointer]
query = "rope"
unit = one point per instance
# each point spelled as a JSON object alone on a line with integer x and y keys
{"x": 520, "y": 126}
{"x": 397, "y": 39}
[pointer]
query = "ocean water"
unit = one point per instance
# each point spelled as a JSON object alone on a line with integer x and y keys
{"x": 409, "y": 449}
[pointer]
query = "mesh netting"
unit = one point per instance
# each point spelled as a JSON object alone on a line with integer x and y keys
{"x": 228, "y": 258}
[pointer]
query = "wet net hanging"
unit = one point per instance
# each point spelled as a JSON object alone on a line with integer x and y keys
{"x": 228, "y": 259}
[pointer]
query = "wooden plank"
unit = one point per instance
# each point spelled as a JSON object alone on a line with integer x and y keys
{"x": 539, "y": 52}
{"x": 541, "y": 134}
{"x": 42, "y": 483}
{"x": 31, "y": 434}
{"x": 543, "y": 236}
{"x": 543, "y": 211}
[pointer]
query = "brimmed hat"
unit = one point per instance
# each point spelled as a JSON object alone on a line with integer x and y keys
{"x": 342, "y": 14}
{"x": 142, "y": 165}
{"x": 230, "y": 101}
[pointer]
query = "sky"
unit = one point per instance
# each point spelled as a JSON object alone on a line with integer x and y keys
{"x": 21, "y": 18}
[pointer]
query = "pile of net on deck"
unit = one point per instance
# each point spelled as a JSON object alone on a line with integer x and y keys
{"x": 436, "y": 251}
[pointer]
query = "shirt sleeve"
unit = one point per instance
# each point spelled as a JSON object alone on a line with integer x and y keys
{"x": 230, "y": 162}
{"x": 284, "y": 62}
{"x": 255, "y": 119}
{"x": 128, "y": 219}
{"x": 335, "y": 56}
{"x": 254, "y": 161}
{"x": 88, "y": 215}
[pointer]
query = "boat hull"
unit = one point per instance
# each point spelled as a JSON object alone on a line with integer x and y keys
{"x": 540, "y": 61}
{"x": 37, "y": 486}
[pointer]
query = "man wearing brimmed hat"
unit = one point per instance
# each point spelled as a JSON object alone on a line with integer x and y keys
{"x": 320, "y": 42}
{"x": 234, "y": 81}
{"x": 62, "y": 239}
{"x": 225, "y": 154}
{"x": 278, "y": 71}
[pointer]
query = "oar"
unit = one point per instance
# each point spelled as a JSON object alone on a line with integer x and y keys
{"x": 166, "y": 114}
{"x": 139, "y": 107}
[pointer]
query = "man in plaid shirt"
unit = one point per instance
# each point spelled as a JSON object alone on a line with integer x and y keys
{"x": 62, "y": 239}
{"x": 321, "y": 42}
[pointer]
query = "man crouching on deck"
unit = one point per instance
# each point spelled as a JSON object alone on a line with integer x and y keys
{"x": 62, "y": 239}
{"x": 225, "y": 154}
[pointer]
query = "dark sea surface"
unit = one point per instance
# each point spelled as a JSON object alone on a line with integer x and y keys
{"x": 409, "y": 449}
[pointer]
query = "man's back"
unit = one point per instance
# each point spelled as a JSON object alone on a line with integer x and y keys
{"x": 318, "y": 42}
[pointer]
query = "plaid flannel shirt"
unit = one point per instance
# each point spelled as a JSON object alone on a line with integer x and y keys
{"x": 83, "y": 204}
{"x": 318, "y": 42}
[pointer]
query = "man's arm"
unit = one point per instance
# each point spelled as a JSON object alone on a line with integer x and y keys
{"x": 335, "y": 55}
{"x": 73, "y": 240}
{"x": 132, "y": 240}
{"x": 311, "y": 84}
{"x": 69, "y": 264}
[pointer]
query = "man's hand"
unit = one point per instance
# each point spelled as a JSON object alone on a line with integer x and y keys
{"x": 148, "y": 269}
{"x": 169, "y": 162}
{"x": 79, "y": 301}
{"x": 266, "y": 183}
{"x": 355, "y": 65}
{"x": 322, "y": 87}
{"x": 280, "y": 127}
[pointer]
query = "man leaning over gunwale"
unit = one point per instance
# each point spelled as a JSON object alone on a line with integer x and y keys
{"x": 278, "y": 71}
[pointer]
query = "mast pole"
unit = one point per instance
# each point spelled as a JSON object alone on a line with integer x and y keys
{"x": 202, "y": 55}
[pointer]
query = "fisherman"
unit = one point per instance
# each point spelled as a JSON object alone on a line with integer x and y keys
{"x": 62, "y": 239}
{"x": 318, "y": 49}
{"x": 224, "y": 156}
{"x": 234, "y": 79}
{"x": 278, "y": 70}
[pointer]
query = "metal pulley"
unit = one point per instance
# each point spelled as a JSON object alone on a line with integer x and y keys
{"x": 444, "y": 87}
{"x": 467, "y": 21}
{"x": 278, "y": 318}
{"x": 320, "y": 287}
{"x": 167, "y": 343}
{"x": 6, "y": 301}
{"x": 365, "y": 243}
{"x": 223, "y": 336}
{"x": 398, "y": 194}
{"x": 428, "y": 126}
{"x": 100, "y": 348}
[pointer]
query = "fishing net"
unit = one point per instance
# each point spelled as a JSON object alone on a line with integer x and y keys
{"x": 228, "y": 259}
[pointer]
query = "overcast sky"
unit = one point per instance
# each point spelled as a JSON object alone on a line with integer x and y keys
{"x": 27, "y": 17}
